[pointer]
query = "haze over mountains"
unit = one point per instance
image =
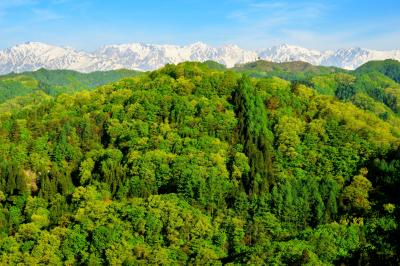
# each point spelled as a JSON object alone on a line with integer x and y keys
{"x": 138, "y": 56}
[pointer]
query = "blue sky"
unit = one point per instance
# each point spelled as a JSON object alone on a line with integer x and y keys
{"x": 251, "y": 24}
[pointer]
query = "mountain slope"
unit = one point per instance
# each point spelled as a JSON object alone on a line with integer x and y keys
{"x": 371, "y": 87}
{"x": 150, "y": 57}
{"x": 34, "y": 55}
{"x": 54, "y": 82}
{"x": 389, "y": 68}
{"x": 295, "y": 70}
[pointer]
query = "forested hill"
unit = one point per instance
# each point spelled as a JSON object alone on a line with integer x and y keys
{"x": 296, "y": 70}
{"x": 54, "y": 82}
{"x": 193, "y": 165}
{"x": 373, "y": 86}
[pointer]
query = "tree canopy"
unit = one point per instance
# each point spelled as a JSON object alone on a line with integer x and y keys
{"x": 197, "y": 164}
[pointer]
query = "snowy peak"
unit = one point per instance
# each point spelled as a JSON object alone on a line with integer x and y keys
{"x": 139, "y": 56}
{"x": 152, "y": 56}
{"x": 285, "y": 53}
{"x": 350, "y": 58}
{"x": 32, "y": 46}
{"x": 354, "y": 57}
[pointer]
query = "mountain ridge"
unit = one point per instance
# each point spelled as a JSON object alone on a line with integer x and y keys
{"x": 31, "y": 56}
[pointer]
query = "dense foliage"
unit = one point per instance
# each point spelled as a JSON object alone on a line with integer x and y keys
{"x": 374, "y": 86}
{"x": 198, "y": 165}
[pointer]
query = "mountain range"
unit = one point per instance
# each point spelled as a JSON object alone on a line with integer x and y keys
{"x": 138, "y": 56}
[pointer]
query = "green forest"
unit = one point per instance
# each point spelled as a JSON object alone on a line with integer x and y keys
{"x": 197, "y": 164}
{"x": 54, "y": 82}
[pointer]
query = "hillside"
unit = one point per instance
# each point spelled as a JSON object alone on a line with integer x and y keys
{"x": 373, "y": 86}
{"x": 54, "y": 82}
{"x": 389, "y": 68}
{"x": 192, "y": 165}
{"x": 296, "y": 70}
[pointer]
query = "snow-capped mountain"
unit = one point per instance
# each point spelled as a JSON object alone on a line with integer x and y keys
{"x": 287, "y": 53}
{"x": 343, "y": 58}
{"x": 149, "y": 56}
{"x": 354, "y": 57}
{"x": 34, "y": 55}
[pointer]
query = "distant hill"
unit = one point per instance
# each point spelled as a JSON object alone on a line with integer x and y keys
{"x": 54, "y": 82}
{"x": 373, "y": 86}
{"x": 214, "y": 65}
{"x": 296, "y": 70}
{"x": 389, "y": 68}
